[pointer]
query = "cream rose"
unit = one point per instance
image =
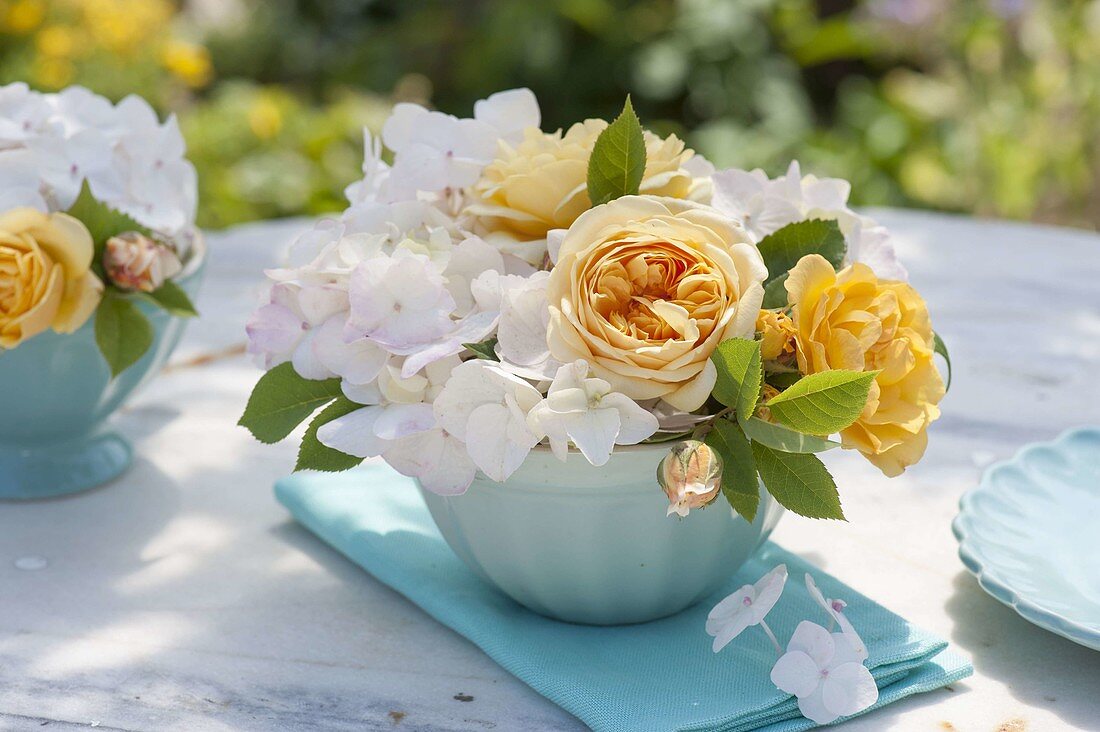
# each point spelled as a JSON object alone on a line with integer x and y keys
{"x": 541, "y": 184}
{"x": 45, "y": 275}
{"x": 645, "y": 289}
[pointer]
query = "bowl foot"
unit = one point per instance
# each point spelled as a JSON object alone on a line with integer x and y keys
{"x": 50, "y": 469}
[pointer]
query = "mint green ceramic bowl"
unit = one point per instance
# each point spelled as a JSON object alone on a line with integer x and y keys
{"x": 56, "y": 394}
{"x": 593, "y": 545}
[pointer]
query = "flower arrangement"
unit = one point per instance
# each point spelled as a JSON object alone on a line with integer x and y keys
{"x": 97, "y": 208}
{"x": 498, "y": 287}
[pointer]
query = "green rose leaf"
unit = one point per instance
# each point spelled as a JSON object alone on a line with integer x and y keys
{"x": 102, "y": 221}
{"x": 122, "y": 333}
{"x": 775, "y": 292}
{"x": 172, "y": 299}
{"x": 313, "y": 454}
{"x": 782, "y": 249}
{"x": 782, "y": 379}
{"x": 281, "y": 400}
{"x": 485, "y": 349}
{"x": 739, "y": 373}
{"x": 617, "y": 163}
{"x": 799, "y": 482}
{"x": 739, "y": 482}
{"x": 823, "y": 403}
{"x": 941, "y": 348}
{"x": 778, "y": 437}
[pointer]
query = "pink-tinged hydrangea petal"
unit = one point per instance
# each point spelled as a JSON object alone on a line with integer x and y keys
{"x": 471, "y": 329}
{"x": 358, "y": 362}
{"x": 400, "y": 302}
{"x": 733, "y": 604}
{"x": 305, "y": 359}
{"x": 274, "y": 332}
{"x": 768, "y": 590}
{"x": 402, "y": 420}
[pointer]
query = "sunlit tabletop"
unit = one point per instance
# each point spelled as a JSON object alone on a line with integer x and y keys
{"x": 182, "y": 596}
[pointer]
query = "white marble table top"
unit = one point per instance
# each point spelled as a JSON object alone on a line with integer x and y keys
{"x": 182, "y": 596}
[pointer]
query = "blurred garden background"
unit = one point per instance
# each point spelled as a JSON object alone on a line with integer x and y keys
{"x": 983, "y": 106}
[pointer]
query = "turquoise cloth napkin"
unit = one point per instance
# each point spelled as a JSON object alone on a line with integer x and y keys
{"x": 654, "y": 676}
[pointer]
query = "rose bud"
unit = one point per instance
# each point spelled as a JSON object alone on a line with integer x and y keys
{"x": 690, "y": 475}
{"x": 134, "y": 261}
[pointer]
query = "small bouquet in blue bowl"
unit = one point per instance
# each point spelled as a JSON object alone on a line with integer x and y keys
{"x": 99, "y": 263}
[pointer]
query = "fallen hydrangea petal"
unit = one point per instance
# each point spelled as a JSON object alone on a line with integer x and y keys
{"x": 746, "y": 607}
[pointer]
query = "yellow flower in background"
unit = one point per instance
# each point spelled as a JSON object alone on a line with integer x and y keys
{"x": 45, "y": 275}
{"x": 777, "y": 334}
{"x": 56, "y": 41}
{"x": 644, "y": 291}
{"x": 265, "y": 119}
{"x": 541, "y": 184}
{"x": 852, "y": 320}
{"x": 22, "y": 16}
{"x": 189, "y": 62}
{"x": 124, "y": 27}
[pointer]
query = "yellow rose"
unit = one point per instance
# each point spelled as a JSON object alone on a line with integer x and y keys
{"x": 777, "y": 335}
{"x": 645, "y": 289}
{"x": 853, "y": 320}
{"x": 541, "y": 184}
{"x": 45, "y": 275}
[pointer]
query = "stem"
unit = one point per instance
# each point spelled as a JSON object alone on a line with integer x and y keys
{"x": 704, "y": 428}
{"x": 771, "y": 636}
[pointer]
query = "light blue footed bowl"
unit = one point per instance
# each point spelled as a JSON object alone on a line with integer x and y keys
{"x": 56, "y": 393}
{"x": 593, "y": 545}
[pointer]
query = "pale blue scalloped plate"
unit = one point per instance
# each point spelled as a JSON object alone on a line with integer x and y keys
{"x": 1030, "y": 533}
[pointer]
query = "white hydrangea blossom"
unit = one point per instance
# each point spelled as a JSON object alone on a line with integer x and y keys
{"x": 129, "y": 159}
{"x": 766, "y": 205}
{"x": 584, "y": 411}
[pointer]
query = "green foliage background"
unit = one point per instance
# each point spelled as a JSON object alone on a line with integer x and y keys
{"x": 986, "y": 106}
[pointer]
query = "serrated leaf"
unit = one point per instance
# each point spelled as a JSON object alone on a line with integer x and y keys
{"x": 782, "y": 249}
{"x": 739, "y": 373}
{"x": 101, "y": 220}
{"x": 486, "y": 349}
{"x": 778, "y": 437}
{"x": 823, "y": 403}
{"x": 315, "y": 455}
{"x": 281, "y": 400}
{"x": 941, "y": 348}
{"x": 775, "y": 292}
{"x": 172, "y": 299}
{"x": 122, "y": 333}
{"x": 739, "y": 482}
{"x": 799, "y": 482}
{"x": 617, "y": 163}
